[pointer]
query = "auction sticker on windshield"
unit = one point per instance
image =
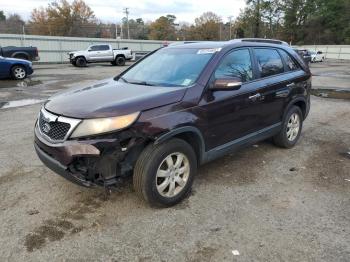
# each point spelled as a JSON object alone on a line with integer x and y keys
{"x": 208, "y": 51}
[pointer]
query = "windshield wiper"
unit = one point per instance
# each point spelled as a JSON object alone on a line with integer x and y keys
{"x": 144, "y": 83}
{"x": 122, "y": 78}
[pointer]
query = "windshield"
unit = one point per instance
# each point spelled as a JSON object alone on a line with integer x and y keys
{"x": 170, "y": 67}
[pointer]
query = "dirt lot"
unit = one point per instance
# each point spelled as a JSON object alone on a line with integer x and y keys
{"x": 269, "y": 204}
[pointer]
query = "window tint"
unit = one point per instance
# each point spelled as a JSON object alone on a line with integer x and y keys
{"x": 291, "y": 65}
{"x": 104, "y": 47}
{"x": 236, "y": 64}
{"x": 95, "y": 48}
{"x": 269, "y": 62}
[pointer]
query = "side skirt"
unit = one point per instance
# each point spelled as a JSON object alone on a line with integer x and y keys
{"x": 241, "y": 142}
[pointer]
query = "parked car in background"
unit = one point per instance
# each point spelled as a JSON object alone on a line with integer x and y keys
{"x": 98, "y": 54}
{"x": 317, "y": 56}
{"x": 17, "y": 69}
{"x": 179, "y": 107}
{"x": 305, "y": 54}
{"x": 26, "y": 53}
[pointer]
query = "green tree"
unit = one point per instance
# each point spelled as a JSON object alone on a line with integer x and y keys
{"x": 2, "y": 16}
{"x": 163, "y": 28}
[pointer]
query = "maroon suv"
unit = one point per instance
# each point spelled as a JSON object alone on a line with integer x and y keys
{"x": 177, "y": 108}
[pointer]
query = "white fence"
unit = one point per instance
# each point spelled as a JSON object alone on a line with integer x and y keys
{"x": 54, "y": 49}
{"x": 341, "y": 52}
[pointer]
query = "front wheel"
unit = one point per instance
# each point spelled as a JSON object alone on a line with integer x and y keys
{"x": 291, "y": 128}
{"x": 80, "y": 62}
{"x": 18, "y": 73}
{"x": 164, "y": 173}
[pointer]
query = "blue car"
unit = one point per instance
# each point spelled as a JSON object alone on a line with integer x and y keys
{"x": 17, "y": 69}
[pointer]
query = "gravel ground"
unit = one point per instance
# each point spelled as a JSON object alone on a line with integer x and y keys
{"x": 263, "y": 203}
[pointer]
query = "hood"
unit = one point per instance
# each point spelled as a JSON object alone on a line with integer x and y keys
{"x": 10, "y": 59}
{"x": 112, "y": 98}
{"x": 77, "y": 52}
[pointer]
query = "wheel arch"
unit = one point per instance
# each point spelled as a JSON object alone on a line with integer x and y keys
{"x": 191, "y": 135}
{"x": 299, "y": 102}
{"x": 16, "y": 54}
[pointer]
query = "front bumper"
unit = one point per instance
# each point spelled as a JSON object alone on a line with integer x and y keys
{"x": 60, "y": 169}
{"x": 100, "y": 161}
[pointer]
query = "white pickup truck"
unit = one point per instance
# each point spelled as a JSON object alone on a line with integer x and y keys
{"x": 100, "y": 53}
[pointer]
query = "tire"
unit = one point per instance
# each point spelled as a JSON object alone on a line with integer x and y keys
{"x": 74, "y": 63}
{"x": 120, "y": 60}
{"x": 153, "y": 177}
{"x": 291, "y": 129}
{"x": 80, "y": 62}
{"x": 18, "y": 72}
{"x": 113, "y": 63}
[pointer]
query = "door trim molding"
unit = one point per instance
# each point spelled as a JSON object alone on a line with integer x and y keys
{"x": 242, "y": 142}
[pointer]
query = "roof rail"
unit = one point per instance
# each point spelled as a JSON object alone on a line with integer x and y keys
{"x": 261, "y": 40}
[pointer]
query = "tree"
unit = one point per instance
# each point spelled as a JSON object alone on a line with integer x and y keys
{"x": 64, "y": 19}
{"x": 207, "y": 26}
{"x": 2, "y": 16}
{"x": 13, "y": 24}
{"x": 163, "y": 28}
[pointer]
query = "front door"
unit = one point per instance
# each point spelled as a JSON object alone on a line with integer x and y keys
{"x": 231, "y": 114}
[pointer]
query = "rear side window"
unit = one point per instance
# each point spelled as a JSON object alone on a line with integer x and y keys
{"x": 269, "y": 62}
{"x": 236, "y": 64}
{"x": 291, "y": 65}
{"x": 104, "y": 47}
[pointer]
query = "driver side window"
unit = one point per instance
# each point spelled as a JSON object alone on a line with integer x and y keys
{"x": 236, "y": 64}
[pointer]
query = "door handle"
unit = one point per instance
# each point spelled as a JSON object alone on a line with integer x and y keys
{"x": 254, "y": 97}
{"x": 290, "y": 85}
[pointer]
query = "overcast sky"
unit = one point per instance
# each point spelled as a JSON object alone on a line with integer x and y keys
{"x": 112, "y": 10}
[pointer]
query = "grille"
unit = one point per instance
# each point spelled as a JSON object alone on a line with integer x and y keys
{"x": 54, "y": 130}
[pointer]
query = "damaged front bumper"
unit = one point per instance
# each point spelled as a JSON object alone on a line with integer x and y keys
{"x": 100, "y": 161}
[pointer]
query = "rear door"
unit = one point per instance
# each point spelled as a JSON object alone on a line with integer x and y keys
{"x": 106, "y": 53}
{"x": 273, "y": 86}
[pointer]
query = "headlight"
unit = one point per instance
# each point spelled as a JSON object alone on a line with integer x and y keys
{"x": 103, "y": 125}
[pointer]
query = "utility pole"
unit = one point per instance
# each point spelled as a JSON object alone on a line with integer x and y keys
{"x": 230, "y": 20}
{"x": 126, "y": 11}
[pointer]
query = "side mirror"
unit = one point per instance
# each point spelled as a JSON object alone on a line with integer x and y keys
{"x": 231, "y": 83}
{"x": 319, "y": 52}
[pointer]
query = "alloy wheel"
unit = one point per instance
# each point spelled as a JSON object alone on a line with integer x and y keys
{"x": 172, "y": 174}
{"x": 293, "y": 127}
{"x": 19, "y": 73}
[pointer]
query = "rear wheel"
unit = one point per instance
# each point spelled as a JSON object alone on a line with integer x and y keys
{"x": 291, "y": 128}
{"x": 80, "y": 62}
{"x": 120, "y": 60}
{"x": 18, "y": 72}
{"x": 164, "y": 173}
